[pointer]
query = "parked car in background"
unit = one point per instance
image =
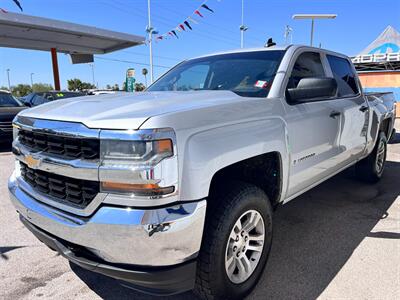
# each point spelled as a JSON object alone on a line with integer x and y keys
{"x": 100, "y": 92}
{"x": 34, "y": 99}
{"x": 9, "y": 108}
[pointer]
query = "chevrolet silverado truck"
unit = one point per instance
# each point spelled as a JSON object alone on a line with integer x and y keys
{"x": 173, "y": 189}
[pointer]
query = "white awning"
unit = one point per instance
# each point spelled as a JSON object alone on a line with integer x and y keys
{"x": 36, "y": 33}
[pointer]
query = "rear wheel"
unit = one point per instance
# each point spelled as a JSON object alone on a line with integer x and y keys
{"x": 236, "y": 244}
{"x": 371, "y": 168}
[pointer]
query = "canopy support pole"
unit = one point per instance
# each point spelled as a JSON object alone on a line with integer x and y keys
{"x": 56, "y": 74}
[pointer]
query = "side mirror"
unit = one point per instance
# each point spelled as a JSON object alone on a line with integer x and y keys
{"x": 313, "y": 89}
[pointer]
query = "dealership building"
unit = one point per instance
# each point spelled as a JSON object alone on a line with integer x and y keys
{"x": 378, "y": 64}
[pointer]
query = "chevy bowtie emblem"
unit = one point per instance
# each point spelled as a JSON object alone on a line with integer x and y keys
{"x": 32, "y": 162}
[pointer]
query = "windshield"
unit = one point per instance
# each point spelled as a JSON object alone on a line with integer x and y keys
{"x": 247, "y": 74}
{"x": 7, "y": 100}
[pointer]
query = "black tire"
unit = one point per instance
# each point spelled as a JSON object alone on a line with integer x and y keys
{"x": 367, "y": 169}
{"x": 224, "y": 209}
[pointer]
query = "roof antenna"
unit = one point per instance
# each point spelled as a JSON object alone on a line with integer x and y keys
{"x": 270, "y": 43}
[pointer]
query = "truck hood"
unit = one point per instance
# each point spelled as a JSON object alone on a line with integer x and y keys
{"x": 126, "y": 110}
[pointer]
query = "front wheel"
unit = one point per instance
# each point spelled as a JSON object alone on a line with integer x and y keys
{"x": 371, "y": 168}
{"x": 236, "y": 242}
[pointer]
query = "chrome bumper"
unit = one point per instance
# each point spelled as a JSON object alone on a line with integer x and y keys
{"x": 143, "y": 237}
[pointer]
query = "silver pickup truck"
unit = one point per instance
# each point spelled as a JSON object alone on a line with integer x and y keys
{"x": 174, "y": 188}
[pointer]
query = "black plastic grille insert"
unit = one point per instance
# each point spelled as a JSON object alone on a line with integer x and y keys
{"x": 71, "y": 148}
{"x": 67, "y": 190}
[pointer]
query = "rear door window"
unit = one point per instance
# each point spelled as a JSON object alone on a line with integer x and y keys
{"x": 344, "y": 75}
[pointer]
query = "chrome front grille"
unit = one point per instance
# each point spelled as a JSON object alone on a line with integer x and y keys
{"x": 70, "y": 191}
{"x": 6, "y": 126}
{"x": 63, "y": 146}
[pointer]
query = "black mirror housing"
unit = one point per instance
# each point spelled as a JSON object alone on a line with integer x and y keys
{"x": 313, "y": 89}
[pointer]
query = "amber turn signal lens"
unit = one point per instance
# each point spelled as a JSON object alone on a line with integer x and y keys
{"x": 163, "y": 146}
{"x": 148, "y": 189}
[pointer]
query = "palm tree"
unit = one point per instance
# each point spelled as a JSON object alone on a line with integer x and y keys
{"x": 144, "y": 73}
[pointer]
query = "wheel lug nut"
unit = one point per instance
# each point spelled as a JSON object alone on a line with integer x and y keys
{"x": 244, "y": 249}
{"x": 242, "y": 233}
{"x": 246, "y": 238}
{"x": 237, "y": 238}
{"x": 234, "y": 249}
{"x": 237, "y": 254}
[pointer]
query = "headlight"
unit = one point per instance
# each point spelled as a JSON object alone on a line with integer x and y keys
{"x": 15, "y": 131}
{"x": 138, "y": 163}
{"x": 135, "y": 152}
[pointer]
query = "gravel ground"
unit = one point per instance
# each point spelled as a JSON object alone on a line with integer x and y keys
{"x": 340, "y": 240}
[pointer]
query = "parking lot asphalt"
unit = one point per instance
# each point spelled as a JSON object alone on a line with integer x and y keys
{"x": 340, "y": 240}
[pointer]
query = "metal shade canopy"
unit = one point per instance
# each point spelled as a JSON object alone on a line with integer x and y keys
{"x": 80, "y": 41}
{"x": 29, "y": 32}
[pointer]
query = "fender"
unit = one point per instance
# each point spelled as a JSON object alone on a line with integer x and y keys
{"x": 209, "y": 151}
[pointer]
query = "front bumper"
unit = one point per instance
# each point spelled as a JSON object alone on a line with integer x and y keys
{"x": 157, "y": 281}
{"x": 142, "y": 237}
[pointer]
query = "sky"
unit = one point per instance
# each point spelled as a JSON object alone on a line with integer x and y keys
{"x": 358, "y": 23}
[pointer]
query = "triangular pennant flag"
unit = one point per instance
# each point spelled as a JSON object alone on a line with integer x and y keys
{"x": 206, "y": 7}
{"x": 178, "y": 29}
{"x": 198, "y": 13}
{"x": 182, "y": 27}
{"x": 160, "y": 37}
{"x": 18, "y": 4}
{"x": 188, "y": 25}
{"x": 192, "y": 20}
{"x": 173, "y": 31}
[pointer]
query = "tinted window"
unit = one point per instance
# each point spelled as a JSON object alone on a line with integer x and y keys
{"x": 37, "y": 100}
{"x": 7, "y": 100}
{"x": 248, "y": 74}
{"x": 344, "y": 75}
{"x": 193, "y": 78}
{"x": 308, "y": 64}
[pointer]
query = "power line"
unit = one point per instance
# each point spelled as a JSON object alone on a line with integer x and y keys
{"x": 147, "y": 55}
{"x": 211, "y": 24}
{"x": 168, "y": 22}
{"x": 130, "y": 62}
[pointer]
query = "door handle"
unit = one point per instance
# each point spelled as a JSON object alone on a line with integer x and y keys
{"x": 334, "y": 114}
{"x": 364, "y": 108}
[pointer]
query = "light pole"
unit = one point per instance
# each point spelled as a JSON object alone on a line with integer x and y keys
{"x": 92, "y": 67}
{"x": 8, "y": 79}
{"x": 288, "y": 32}
{"x": 32, "y": 80}
{"x": 150, "y": 31}
{"x": 242, "y": 27}
{"x": 313, "y": 17}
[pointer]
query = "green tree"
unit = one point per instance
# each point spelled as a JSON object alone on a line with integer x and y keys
{"x": 115, "y": 87}
{"x": 144, "y": 73}
{"x": 21, "y": 90}
{"x": 74, "y": 84}
{"x": 42, "y": 87}
{"x": 78, "y": 85}
{"x": 139, "y": 87}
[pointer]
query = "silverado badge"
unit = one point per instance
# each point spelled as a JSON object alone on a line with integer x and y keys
{"x": 32, "y": 162}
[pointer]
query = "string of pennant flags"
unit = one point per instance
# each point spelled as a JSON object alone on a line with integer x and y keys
{"x": 17, "y": 3}
{"x": 187, "y": 24}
